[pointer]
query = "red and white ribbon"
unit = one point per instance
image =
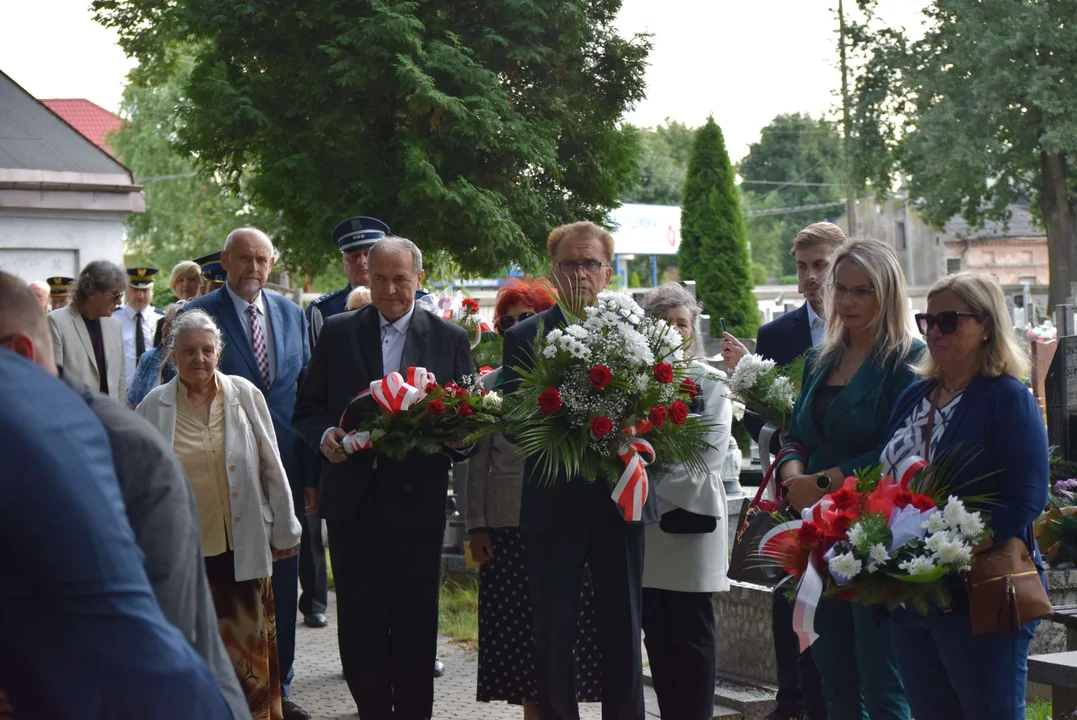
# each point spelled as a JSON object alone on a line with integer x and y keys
{"x": 906, "y": 470}
{"x": 481, "y": 326}
{"x": 393, "y": 394}
{"x": 630, "y": 493}
{"x": 356, "y": 441}
{"x": 420, "y": 377}
{"x": 808, "y": 595}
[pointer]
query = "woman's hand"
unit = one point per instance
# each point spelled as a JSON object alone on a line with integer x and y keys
{"x": 284, "y": 554}
{"x": 802, "y": 491}
{"x": 732, "y": 351}
{"x": 482, "y": 550}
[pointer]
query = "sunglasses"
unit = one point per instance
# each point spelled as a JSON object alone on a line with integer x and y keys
{"x": 947, "y": 321}
{"x": 507, "y": 321}
{"x": 116, "y": 296}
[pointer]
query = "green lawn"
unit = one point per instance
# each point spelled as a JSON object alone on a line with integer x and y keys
{"x": 458, "y": 610}
{"x": 1038, "y": 710}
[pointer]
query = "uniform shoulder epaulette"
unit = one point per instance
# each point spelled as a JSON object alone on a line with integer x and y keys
{"x": 328, "y": 295}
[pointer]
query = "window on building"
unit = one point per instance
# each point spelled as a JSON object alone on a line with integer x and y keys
{"x": 1030, "y": 279}
{"x": 899, "y": 235}
{"x": 953, "y": 265}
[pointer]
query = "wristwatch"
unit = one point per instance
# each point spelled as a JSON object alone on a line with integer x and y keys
{"x": 822, "y": 482}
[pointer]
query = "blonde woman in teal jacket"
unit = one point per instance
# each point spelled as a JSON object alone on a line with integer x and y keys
{"x": 851, "y": 383}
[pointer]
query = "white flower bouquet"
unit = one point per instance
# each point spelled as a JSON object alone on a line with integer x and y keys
{"x": 765, "y": 389}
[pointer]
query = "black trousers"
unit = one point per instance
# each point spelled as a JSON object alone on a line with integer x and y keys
{"x": 681, "y": 633}
{"x": 555, "y": 578}
{"x": 313, "y": 576}
{"x": 387, "y": 615}
{"x": 799, "y": 689}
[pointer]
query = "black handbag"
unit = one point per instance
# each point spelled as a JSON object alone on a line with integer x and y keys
{"x": 756, "y": 520}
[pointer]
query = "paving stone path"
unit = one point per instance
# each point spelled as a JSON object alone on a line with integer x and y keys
{"x": 319, "y": 685}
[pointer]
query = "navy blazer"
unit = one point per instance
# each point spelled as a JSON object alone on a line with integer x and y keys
{"x": 997, "y": 434}
{"x": 782, "y": 340}
{"x": 292, "y": 353}
{"x": 854, "y": 426}
{"x": 570, "y": 503}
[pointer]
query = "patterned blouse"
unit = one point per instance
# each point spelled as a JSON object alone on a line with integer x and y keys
{"x": 907, "y": 445}
{"x": 147, "y": 376}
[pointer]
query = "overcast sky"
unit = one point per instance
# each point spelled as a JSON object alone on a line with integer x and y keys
{"x": 744, "y": 61}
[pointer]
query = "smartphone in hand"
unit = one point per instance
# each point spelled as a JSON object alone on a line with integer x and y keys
{"x": 722, "y": 321}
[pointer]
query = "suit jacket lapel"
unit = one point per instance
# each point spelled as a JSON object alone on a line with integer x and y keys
{"x": 415, "y": 341}
{"x": 277, "y": 322}
{"x": 367, "y": 340}
{"x": 235, "y": 332}
{"x": 802, "y": 326}
{"x": 867, "y": 380}
{"x": 84, "y": 336}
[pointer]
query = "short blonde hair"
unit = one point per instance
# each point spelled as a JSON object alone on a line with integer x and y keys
{"x": 893, "y": 325}
{"x": 584, "y": 227}
{"x": 357, "y": 298}
{"x": 1001, "y": 354}
{"x": 183, "y": 269}
{"x": 820, "y": 233}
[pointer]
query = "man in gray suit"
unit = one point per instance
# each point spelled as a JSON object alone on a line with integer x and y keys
{"x": 158, "y": 499}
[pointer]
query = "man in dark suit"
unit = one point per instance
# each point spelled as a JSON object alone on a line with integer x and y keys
{"x": 574, "y": 519}
{"x": 386, "y": 517}
{"x": 266, "y": 343}
{"x": 783, "y": 340}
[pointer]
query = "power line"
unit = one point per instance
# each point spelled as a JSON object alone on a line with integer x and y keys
{"x": 784, "y": 183}
{"x": 797, "y": 208}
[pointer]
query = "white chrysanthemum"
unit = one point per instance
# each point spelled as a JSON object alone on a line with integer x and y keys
{"x": 877, "y": 556}
{"x": 782, "y": 394}
{"x": 856, "y": 535}
{"x": 955, "y": 554}
{"x": 748, "y": 372}
{"x": 845, "y": 567}
{"x": 935, "y": 522}
{"x": 918, "y": 565}
{"x": 955, "y": 513}
{"x": 577, "y": 331}
{"x": 972, "y": 526}
{"x": 936, "y": 541}
{"x": 491, "y": 401}
{"x": 643, "y": 382}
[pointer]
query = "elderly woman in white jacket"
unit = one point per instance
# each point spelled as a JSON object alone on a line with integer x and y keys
{"x": 222, "y": 433}
{"x": 687, "y": 554}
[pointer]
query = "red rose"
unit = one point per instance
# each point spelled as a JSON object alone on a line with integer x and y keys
{"x": 663, "y": 373}
{"x": 903, "y": 499}
{"x": 844, "y": 499}
{"x": 470, "y": 306}
{"x": 657, "y": 416}
{"x": 922, "y": 503}
{"x": 485, "y": 370}
{"x": 839, "y": 527}
{"x": 689, "y": 387}
{"x": 464, "y": 410}
{"x": 431, "y": 387}
{"x": 550, "y": 401}
{"x": 435, "y": 407}
{"x": 601, "y": 426}
{"x": 678, "y": 412}
{"x": 460, "y": 393}
{"x": 809, "y": 534}
{"x": 600, "y": 377}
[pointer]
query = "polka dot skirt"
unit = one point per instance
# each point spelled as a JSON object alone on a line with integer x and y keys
{"x": 506, "y": 633}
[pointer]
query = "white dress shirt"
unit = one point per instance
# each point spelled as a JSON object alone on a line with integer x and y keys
{"x": 126, "y": 316}
{"x": 267, "y": 326}
{"x": 393, "y": 336}
{"x": 817, "y": 324}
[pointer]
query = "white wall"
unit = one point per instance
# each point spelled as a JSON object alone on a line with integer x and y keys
{"x": 36, "y": 244}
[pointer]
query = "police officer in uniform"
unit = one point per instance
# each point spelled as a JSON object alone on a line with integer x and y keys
{"x": 60, "y": 291}
{"x": 213, "y": 274}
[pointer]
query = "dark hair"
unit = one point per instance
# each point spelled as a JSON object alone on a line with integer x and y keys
{"x": 98, "y": 276}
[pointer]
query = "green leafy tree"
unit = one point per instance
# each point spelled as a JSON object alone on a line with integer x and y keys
{"x": 663, "y": 163}
{"x": 713, "y": 249}
{"x": 802, "y": 151}
{"x": 978, "y": 114}
{"x": 472, "y": 127}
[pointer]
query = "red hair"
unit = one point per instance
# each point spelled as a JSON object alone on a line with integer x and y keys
{"x": 532, "y": 293}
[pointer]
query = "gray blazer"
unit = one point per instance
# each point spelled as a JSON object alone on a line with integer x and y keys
{"x": 495, "y": 476}
{"x": 73, "y": 351}
{"x": 162, "y": 512}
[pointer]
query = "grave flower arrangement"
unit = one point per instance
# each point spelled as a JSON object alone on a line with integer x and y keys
{"x": 605, "y": 398}
{"x": 410, "y": 412}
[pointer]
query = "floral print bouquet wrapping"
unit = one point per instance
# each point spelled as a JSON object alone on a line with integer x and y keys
{"x": 607, "y": 397}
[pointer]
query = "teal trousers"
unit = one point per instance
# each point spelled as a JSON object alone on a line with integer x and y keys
{"x": 856, "y": 663}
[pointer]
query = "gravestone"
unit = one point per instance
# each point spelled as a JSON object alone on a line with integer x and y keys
{"x": 1060, "y": 388}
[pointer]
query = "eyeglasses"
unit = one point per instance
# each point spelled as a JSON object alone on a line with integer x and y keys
{"x": 507, "y": 321}
{"x": 859, "y": 295}
{"x": 947, "y": 321}
{"x": 116, "y": 296}
{"x": 569, "y": 268}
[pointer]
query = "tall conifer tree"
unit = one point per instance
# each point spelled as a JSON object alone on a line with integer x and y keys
{"x": 714, "y": 247}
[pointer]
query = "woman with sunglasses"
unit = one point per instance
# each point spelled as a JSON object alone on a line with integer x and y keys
{"x": 970, "y": 406}
{"x": 494, "y": 483}
{"x": 851, "y": 383}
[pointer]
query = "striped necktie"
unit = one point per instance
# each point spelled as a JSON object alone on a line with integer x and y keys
{"x": 258, "y": 342}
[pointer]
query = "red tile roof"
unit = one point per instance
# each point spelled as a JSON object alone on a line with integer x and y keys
{"x": 92, "y": 121}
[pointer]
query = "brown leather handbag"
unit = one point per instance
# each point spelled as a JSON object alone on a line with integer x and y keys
{"x": 1004, "y": 589}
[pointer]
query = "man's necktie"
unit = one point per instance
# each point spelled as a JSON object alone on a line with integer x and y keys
{"x": 258, "y": 342}
{"x": 140, "y": 338}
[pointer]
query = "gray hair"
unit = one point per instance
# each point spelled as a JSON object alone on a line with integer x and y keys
{"x": 249, "y": 230}
{"x": 658, "y": 302}
{"x": 99, "y": 276}
{"x": 194, "y": 320}
{"x": 391, "y": 245}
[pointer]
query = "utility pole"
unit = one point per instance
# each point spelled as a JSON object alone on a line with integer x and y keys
{"x": 847, "y": 126}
